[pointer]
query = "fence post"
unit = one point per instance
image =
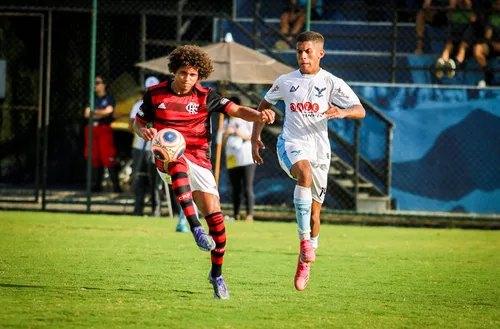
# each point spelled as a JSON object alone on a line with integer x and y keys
{"x": 357, "y": 124}
{"x": 256, "y": 10}
{"x": 388, "y": 165}
{"x": 394, "y": 45}
{"x": 91, "y": 100}
{"x": 47, "y": 110}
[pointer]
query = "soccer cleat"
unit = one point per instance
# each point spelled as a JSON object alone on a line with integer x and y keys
{"x": 220, "y": 289}
{"x": 439, "y": 68}
{"x": 302, "y": 275}
{"x": 182, "y": 228}
{"x": 307, "y": 254}
{"x": 204, "y": 241}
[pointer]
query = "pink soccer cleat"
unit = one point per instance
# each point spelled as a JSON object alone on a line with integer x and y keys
{"x": 302, "y": 275}
{"x": 307, "y": 254}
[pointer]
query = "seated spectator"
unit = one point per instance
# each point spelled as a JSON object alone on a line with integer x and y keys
{"x": 465, "y": 29}
{"x": 292, "y": 21}
{"x": 432, "y": 13}
{"x": 490, "y": 46}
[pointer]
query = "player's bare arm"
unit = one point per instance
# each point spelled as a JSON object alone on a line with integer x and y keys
{"x": 249, "y": 114}
{"x": 355, "y": 112}
{"x": 257, "y": 129}
{"x": 143, "y": 131}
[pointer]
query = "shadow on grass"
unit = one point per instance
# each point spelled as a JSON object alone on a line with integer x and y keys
{"x": 6, "y": 285}
{"x": 182, "y": 293}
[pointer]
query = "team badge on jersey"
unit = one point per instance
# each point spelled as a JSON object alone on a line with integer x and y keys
{"x": 192, "y": 108}
{"x": 320, "y": 91}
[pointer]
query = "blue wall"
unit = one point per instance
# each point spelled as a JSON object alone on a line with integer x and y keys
{"x": 446, "y": 151}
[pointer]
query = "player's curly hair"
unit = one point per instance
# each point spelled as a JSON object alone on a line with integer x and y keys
{"x": 192, "y": 56}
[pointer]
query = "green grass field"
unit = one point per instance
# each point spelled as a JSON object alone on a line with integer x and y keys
{"x": 98, "y": 271}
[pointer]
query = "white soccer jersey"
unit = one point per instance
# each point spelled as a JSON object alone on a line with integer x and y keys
{"x": 306, "y": 98}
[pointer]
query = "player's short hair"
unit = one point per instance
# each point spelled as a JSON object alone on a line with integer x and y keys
{"x": 192, "y": 56}
{"x": 310, "y": 36}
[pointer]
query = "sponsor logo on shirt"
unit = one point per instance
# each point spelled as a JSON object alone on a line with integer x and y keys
{"x": 192, "y": 108}
{"x": 296, "y": 152}
{"x": 294, "y": 89}
{"x": 224, "y": 101}
{"x": 162, "y": 106}
{"x": 320, "y": 91}
{"x": 304, "y": 107}
{"x": 341, "y": 93}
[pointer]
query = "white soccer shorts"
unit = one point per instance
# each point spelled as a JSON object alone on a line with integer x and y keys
{"x": 200, "y": 179}
{"x": 290, "y": 152}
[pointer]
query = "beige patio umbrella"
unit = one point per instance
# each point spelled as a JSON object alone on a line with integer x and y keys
{"x": 233, "y": 63}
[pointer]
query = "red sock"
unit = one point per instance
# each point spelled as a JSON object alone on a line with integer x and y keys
{"x": 182, "y": 190}
{"x": 217, "y": 230}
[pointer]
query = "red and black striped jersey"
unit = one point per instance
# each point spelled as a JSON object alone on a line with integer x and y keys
{"x": 187, "y": 113}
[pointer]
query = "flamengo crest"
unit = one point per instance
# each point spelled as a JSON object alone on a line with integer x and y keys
{"x": 192, "y": 108}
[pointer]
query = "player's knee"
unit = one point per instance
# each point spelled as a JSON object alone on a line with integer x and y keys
{"x": 304, "y": 177}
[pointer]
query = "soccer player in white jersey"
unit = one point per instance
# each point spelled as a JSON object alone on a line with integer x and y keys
{"x": 312, "y": 96}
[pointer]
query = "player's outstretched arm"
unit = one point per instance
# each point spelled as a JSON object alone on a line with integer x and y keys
{"x": 355, "y": 112}
{"x": 249, "y": 114}
{"x": 256, "y": 131}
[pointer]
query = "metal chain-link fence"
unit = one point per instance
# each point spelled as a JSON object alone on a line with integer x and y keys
{"x": 46, "y": 48}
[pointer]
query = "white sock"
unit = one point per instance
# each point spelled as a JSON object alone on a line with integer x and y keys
{"x": 315, "y": 241}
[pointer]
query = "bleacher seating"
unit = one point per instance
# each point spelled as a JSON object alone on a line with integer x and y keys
{"x": 358, "y": 51}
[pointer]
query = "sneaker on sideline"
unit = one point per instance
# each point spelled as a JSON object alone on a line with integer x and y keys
{"x": 182, "y": 228}
{"x": 450, "y": 66}
{"x": 438, "y": 67}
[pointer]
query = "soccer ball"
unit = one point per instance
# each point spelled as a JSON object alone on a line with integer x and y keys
{"x": 168, "y": 145}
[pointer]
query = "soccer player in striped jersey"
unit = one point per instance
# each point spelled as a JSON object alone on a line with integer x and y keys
{"x": 312, "y": 96}
{"x": 186, "y": 106}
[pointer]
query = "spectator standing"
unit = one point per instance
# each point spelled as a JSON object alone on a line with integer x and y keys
{"x": 103, "y": 148}
{"x": 146, "y": 178}
{"x": 239, "y": 163}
